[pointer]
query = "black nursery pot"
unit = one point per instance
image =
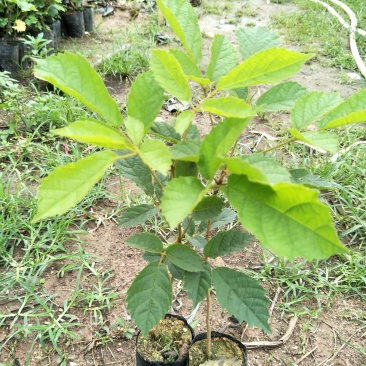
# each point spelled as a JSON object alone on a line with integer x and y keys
{"x": 141, "y": 361}
{"x": 73, "y": 24}
{"x": 216, "y": 335}
{"x": 88, "y": 13}
{"x": 9, "y": 56}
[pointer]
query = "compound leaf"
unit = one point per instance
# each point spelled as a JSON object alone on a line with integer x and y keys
{"x": 217, "y": 143}
{"x": 143, "y": 105}
{"x": 184, "y": 257}
{"x": 265, "y": 67}
{"x": 156, "y": 155}
{"x": 226, "y": 242}
{"x": 311, "y": 107}
{"x": 64, "y": 187}
{"x": 228, "y": 107}
{"x": 73, "y": 74}
{"x": 287, "y": 217}
{"x": 352, "y": 110}
{"x": 136, "y": 170}
{"x": 181, "y": 196}
{"x": 187, "y": 150}
{"x": 93, "y": 132}
{"x": 183, "y": 21}
{"x": 168, "y": 73}
{"x": 242, "y": 296}
{"x": 223, "y": 58}
{"x": 209, "y": 208}
{"x": 281, "y": 97}
{"x": 254, "y": 39}
{"x": 324, "y": 140}
{"x": 137, "y": 215}
{"x": 197, "y": 284}
{"x": 147, "y": 242}
{"x": 149, "y": 297}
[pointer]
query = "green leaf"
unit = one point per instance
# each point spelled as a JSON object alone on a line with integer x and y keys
{"x": 185, "y": 169}
{"x": 324, "y": 140}
{"x": 302, "y": 176}
{"x": 91, "y": 131}
{"x": 254, "y": 39}
{"x": 183, "y": 21}
{"x": 136, "y": 170}
{"x": 69, "y": 184}
{"x": 242, "y": 296}
{"x": 281, "y": 97}
{"x": 241, "y": 93}
{"x": 226, "y": 242}
{"x": 226, "y": 217}
{"x": 149, "y": 297}
{"x": 189, "y": 67}
{"x": 223, "y": 58}
{"x": 209, "y": 208}
{"x": 73, "y": 74}
{"x": 311, "y": 107}
{"x": 151, "y": 257}
{"x": 181, "y": 196}
{"x": 187, "y": 150}
{"x": 176, "y": 272}
{"x": 165, "y": 131}
{"x": 184, "y": 257}
{"x": 145, "y": 241}
{"x": 352, "y": 110}
{"x": 198, "y": 241}
{"x": 198, "y": 284}
{"x": 288, "y": 218}
{"x": 258, "y": 168}
{"x": 168, "y": 73}
{"x": 156, "y": 155}
{"x": 143, "y": 105}
{"x": 219, "y": 142}
{"x": 265, "y": 67}
{"x": 137, "y": 215}
{"x": 183, "y": 121}
{"x": 228, "y": 107}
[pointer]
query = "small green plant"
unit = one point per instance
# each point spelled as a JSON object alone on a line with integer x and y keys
{"x": 196, "y": 183}
{"x": 37, "y": 46}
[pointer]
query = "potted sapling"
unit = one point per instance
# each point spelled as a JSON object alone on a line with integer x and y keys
{"x": 199, "y": 183}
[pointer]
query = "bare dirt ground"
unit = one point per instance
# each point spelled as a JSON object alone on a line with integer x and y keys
{"x": 326, "y": 338}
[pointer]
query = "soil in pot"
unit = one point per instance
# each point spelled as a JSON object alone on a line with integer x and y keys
{"x": 166, "y": 344}
{"x": 225, "y": 351}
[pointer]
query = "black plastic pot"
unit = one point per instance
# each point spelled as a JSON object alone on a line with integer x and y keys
{"x": 73, "y": 24}
{"x": 9, "y": 56}
{"x": 56, "y": 27}
{"x": 141, "y": 361}
{"x": 203, "y": 336}
{"x": 88, "y": 13}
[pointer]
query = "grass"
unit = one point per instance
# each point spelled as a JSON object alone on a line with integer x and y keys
{"x": 316, "y": 31}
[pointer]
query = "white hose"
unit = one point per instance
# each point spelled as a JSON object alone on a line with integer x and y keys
{"x": 339, "y": 17}
{"x": 352, "y": 30}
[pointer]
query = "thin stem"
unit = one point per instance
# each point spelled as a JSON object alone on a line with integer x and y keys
{"x": 180, "y": 235}
{"x": 208, "y": 230}
{"x": 279, "y": 145}
{"x": 208, "y": 325}
{"x": 156, "y": 178}
{"x": 188, "y": 225}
